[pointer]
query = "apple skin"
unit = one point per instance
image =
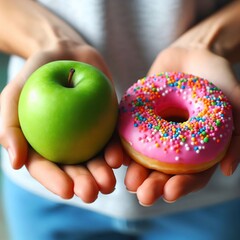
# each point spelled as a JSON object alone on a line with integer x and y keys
{"x": 68, "y": 125}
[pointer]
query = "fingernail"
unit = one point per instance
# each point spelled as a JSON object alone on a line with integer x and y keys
{"x": 145, "y": 205}
{"x": 167, "y": 201}
{"x": 132, "y": 192}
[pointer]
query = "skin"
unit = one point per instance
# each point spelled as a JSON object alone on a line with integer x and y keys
{"x": 208, "y": 43}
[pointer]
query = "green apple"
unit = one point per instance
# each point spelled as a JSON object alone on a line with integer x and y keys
{"x": 68, "y": 111}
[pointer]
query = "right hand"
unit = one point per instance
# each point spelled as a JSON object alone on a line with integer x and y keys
{"x": 85, "y": 180}
{"x": 151, "y": 185}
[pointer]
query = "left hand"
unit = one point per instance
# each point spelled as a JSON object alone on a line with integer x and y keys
{"x": 149, "y": 185}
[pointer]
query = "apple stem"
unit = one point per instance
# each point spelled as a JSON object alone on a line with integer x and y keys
{"x": 70, "y": 75}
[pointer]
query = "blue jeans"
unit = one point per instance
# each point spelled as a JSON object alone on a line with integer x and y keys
{"x": 31, "y": 217}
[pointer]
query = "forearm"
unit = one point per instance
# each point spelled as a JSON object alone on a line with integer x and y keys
{"x": 220, "y": 33}
{"x": 26, "y": 27}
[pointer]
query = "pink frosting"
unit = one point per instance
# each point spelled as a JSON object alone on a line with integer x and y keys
{"x": 200, "y": 125}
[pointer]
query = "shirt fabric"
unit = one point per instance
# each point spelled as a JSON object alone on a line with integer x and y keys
{"x": 129, "y": 35}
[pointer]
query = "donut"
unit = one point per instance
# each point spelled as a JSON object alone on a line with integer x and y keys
{"x": 175, "y": 123}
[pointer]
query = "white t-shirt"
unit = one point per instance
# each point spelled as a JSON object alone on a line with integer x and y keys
{"x": 130, "y": 34}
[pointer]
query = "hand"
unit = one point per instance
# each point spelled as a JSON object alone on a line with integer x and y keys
{"x": 85, "y": 180}
{"x": 150, "y": 185}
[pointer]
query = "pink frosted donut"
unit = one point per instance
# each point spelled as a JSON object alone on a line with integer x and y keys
{"x": 175, "y": 123}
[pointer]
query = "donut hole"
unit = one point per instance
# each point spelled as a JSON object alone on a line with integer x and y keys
{"x": 173, "y": 114}
{"x": 173, "y": 108}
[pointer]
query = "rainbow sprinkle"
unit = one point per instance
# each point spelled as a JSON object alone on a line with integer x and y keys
{"x": 207, "y": 110}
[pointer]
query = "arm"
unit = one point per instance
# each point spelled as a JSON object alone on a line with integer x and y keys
{"x": 32, "y": 32}
{"x": 27, "y": 27}
{"x": 206, "y": 50}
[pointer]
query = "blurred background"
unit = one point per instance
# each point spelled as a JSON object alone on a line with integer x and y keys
{"x": 3, "y": 77}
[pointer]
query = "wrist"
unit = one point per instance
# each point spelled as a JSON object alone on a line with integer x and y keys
{"x": 54, "y": 35}
{"x": 218, "y": 34}
{"x": 36, "y": 28}
{"x": 54, "y": 40}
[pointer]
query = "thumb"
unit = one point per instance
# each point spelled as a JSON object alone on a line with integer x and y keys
{"x": 232, "y": 158}
{"x": 230, "y": 162}
{"x": 14, "y": 142}
{"x": 11, "y": 136}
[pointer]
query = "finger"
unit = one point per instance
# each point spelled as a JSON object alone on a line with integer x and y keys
{"x": 16, "y": 145}
{"x": 103, "y": 174}
{"x": 152, "y": 188}
{"x": 136, "y": 174}
{"x": 11, "y": 136}
{"x": 85, "y": 186}
{"x": 50, "y": 175}
{"x": 230, "y": 162}
{"x": 180, "y": 185}
{"x": 114, "y": 153}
